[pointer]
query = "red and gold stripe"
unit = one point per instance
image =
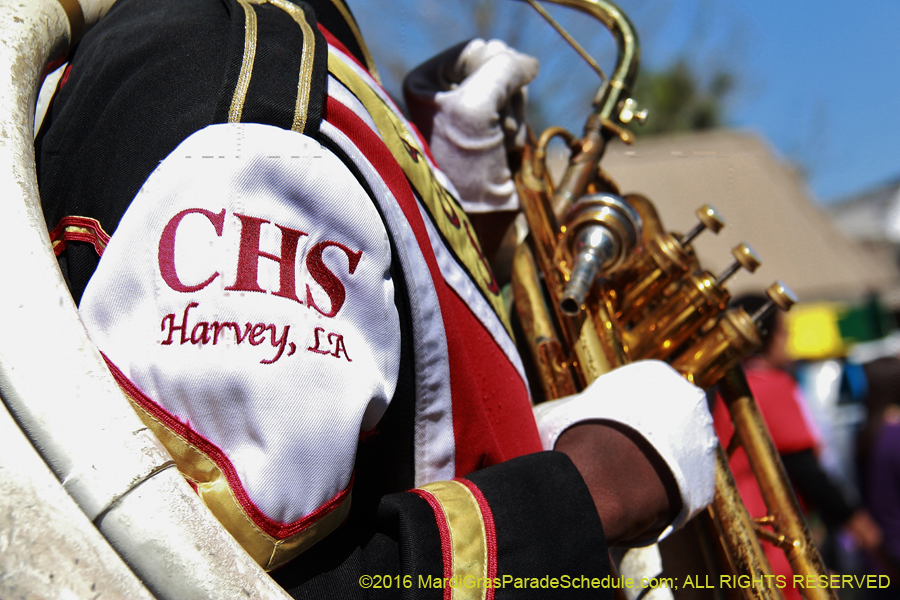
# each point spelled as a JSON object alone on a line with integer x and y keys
{"x": 78, "y": 229}
{"x": 468, "y": 538}
{"x": 209, "y": 471}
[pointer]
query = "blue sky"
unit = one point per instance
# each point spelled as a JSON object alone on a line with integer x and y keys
{"x": 820, "y": 80}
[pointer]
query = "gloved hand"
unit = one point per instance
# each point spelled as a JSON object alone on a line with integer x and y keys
{"x": 668, "y": 414}
{"x": 469, "y": 103}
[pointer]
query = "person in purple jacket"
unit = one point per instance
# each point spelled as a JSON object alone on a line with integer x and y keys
{"x": 879, "y": 458}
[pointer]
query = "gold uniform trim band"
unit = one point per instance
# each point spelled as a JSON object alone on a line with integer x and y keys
{"x": 76, "y": 20}
{"x": 306, "y": 61}
{"x": 468, "y": 537}
{"x": 212, "y": 487}
{"x": 240, "y": 90}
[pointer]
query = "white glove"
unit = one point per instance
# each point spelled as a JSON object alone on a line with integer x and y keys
{"x": 469, "y": 102}
{"x": 651, "y": 398}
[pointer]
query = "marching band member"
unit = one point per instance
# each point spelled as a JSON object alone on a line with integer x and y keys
{"x": 293, "y": 294}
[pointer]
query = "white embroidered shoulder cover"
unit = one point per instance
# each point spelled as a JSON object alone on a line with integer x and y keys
{"x": 246, "y": 291}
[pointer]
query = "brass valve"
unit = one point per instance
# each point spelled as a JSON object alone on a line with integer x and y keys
{"x": 744, "y": 256}
{"x": 664, "y": 260}
{"x": 779, "y": 296}
{"x": 735, "y": 336}
{"x": 677, "y": 318}
{"x": 708, "y": 218}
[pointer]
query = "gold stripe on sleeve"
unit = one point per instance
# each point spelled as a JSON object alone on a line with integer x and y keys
{"x": 76, "y": 20}
{"x": 468, "y": 538}
{"x": 240, "y": 91}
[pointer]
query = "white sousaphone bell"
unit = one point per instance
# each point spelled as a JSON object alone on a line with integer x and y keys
{"x": 90, "y": 502}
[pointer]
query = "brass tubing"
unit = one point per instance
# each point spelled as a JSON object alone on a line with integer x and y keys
{"x": 593, "y": 339}
{"x": 547, "y": 351}
{"x": 583, "y": 165}
{"x": 629, "y": 53}
{"x": 542, "y": 224}
{"x": 738, "y": 534}
{"x": 773, "y": 482}
{"x": 569, "y": 39}
{"x": 652, "y": 225}
{"x": 599, "y": 348}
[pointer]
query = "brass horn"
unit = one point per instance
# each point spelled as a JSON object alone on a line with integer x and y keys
{"x": 588, "y": 301}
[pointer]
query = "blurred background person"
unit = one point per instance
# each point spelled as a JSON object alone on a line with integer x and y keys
{"x": 879, "y": 467}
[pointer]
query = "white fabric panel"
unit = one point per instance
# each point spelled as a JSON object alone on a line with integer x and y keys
{"x": 284, "y": 408}
{"x": 45, "y": 95}
{"x": 434, "y": 441}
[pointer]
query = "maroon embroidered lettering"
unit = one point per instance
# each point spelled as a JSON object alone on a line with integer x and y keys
{"x": 333, "y": 338}
{"x": 338, "y": 346}
{"x": 255, "y": 334}
{"x": 249, "y": 253}
{"x": 258, "y": 330}
{"x": 202, "y": 328}
{"x": 237, "y": 330}
{"x": 217, "y": 327}
{"x": 280, "y": 344}
{"x": 166, "y": 253}
{"x": 316, "y": 348}
{"x": 326, "y": 279}
{"x": 173, "y": 328}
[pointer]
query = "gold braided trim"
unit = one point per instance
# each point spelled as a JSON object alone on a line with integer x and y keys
{"x": 212, "y": 487}
{"x": 468, "y": 538}
{"x": 354, "y": 29}
{"x": 78, "y": 229}
{"x": 240, "y": 91}
{"x": 448, "y": 215}
{"x": 306, "y": 61}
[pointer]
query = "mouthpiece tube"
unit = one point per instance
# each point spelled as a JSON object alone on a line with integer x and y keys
{"x": 601, "y": 231}
{"x": 596, "y": 248}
